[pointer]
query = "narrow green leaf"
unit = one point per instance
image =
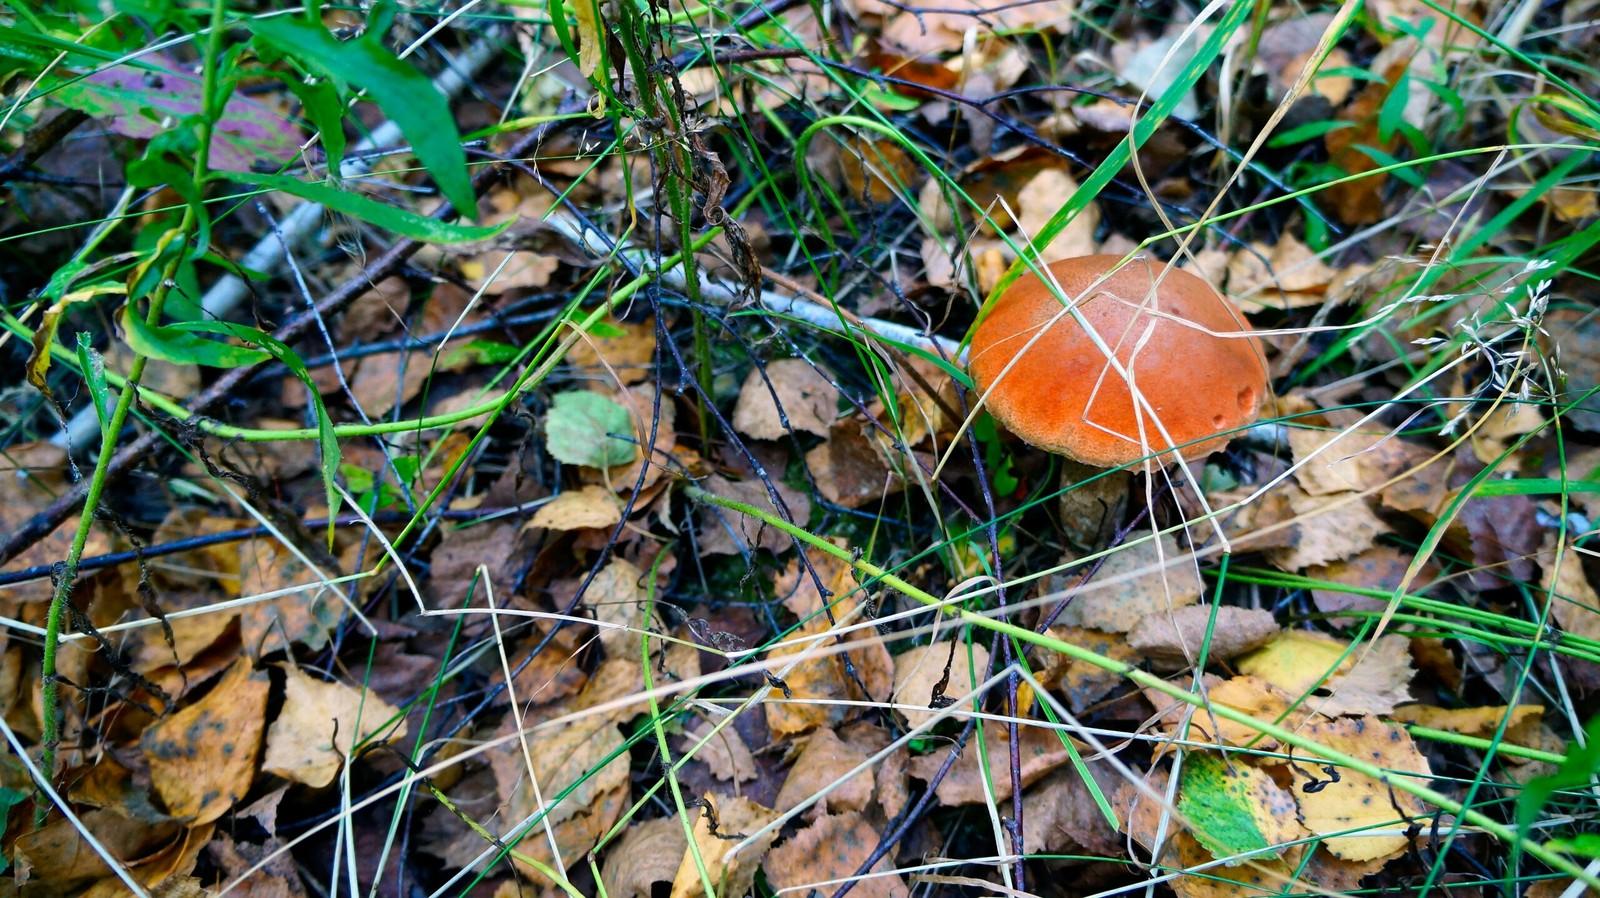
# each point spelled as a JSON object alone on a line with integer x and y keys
{"x": 390, "y": 218}
{"x": 1535, "y": 486}
{"x": 93, "y": 365}
{"x": 404, "y": 94}
{"x": 176, "y": 345}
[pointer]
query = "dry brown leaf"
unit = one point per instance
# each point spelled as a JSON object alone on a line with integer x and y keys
{"x": 1135, "y": 583}
{"x": 306, "y": 617}
{"x": 1337, "y": 461}
{"x": 1356, "y": 801}
{"x": 1364, "y": 682}
{"x": 731, "y": 872}
{"x": 724, "y": 532}
{"x": 1061, "y": 817}
{"x": 724, "y": 753}
{"x": 1327, "y": 528}
{"x": 805, "y": 397}
{"x": 573, "y": 756}
{"x": 589, "y": 506}
{"x": 647, "y": 853}
{"x": 1045, "y": 195}
{"x": 31, "y": 476}
{"x": 381, "y": 382}
{"x": 1285, "y": 275}
{"x": 1041, "y": 751}
{"x": 819, "y": 678}
{"x": 823, "y": 760}
{"x": 1083, "y": 684}
{"x": 830, "y": 851}
{"x": 318, "y": 724}
{"x": 929, "y": 675}
{"x": 1177, "y": 636}
{"x": 933, "y": 27}
{"x": 203, "y": 758}
{"x": 616, "y": 596}
{"x": 851, "y": 469}
{"x": 56, "y": 860}
{"x": 1574, "y": 603}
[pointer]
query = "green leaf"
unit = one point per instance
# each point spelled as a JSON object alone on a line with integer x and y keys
{"x": 404, "y": 94}
{"x": 327, "y": 440}
{"x": 176, "y": 345}
{"x": 1582, "y": 763}
{"x": 9, "y": 798}
{"x": 477, "y": 352}
{"x": 1582, "y": 845}
{"x": 580, "y": 428}
{"x": 323, "y": 107}
{"x": 94, "y": 374}
{"x": 1230, "y": 805}
{"x": 1392, "y": 112}
{"x": 1307, "y": 131}
{"x": 1406, "y": 173}
{"x": 391, "y": 218}
{"x": 1535, "y": 486}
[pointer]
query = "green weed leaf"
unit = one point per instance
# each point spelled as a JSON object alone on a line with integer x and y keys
{"x": 390, "y": 218}
{"x": 580, "y": 428}
{"x": 403, "y": 93}
{"x": 176, "y": 345}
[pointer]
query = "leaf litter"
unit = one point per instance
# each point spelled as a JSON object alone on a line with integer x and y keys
{"x": 278, "y": 714}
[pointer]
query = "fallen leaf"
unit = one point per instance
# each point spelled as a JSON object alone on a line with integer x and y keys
{"x": 1285, "y": 275}
{"x": 587, "y": 507}
{"x": 806, "y": 401}
{"x": 1355, "y": 801}
{"x": 1045, "y": 195}
{"x": 1480, "y": 722}
{"x": 1178, "y": 635}
{"x": 1574, "y": 603}
{"x": 317, "y": 726}
{"x": 1327, "y": 528}
{"x": 933, "y": 676}
{"x": 1235, "y": 809}
{"x": 1061, "y": 817}
{"x": 731, "y": 872}
{"x": 1363, "y": 680}
{"x": 304, "y": 616}
{"x": 724, "y": 753}
{"x": 724, "y": 532}
{"x": 829, "y": 851}
{"x": 647, "y": 853}
{"x": 626, "y": 350}
{"x": 930, "y": 27}
{"x": 1040, "y": 750}
{"x": 823, "y": 761}
{"x": 1083, "y": 684}
{"x": 203, "y": 758}
{"x": 1134, "y": 583}
{"x": 818, "y": 679}
{"x": 585, "y": 428}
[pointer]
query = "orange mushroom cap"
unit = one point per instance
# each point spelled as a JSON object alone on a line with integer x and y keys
{"x": 1059, "y": 392}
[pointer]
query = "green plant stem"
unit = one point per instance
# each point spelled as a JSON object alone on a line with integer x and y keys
{"x": 1150, "y": 681}
{"x": 60, "y": 595}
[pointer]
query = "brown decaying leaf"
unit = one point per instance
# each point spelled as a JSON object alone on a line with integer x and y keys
{"x": 805, "y": 397}
{"x": 1133, "y": 583}
{"x": 318, "y": 725}
{"x": 1061, "y": 817}
{"x": 731, "y": 872}
{"x": 724, "y": 752}
{"x": 306, "y": 617}
{"x": 203, "y": 758}
{"x": 825, "y": 759}
{"x": 959, "y": 667}
{"x": 819, "y": 677}
{"x": 1081, "y": 683}
{"x": 1356, "y": 801}
{"x": 627, "y": 356}
{"x": 31, "y": 476}
{"x": 1326, "y": 529}
{"x": 1040, "y": 749}
{"x": 1574, "y": 602}
{"x": 1177, "y": 636}
{"x": 723, "y": 532}
{"x": 647, "y": 853}
{"x": 829, "y": 852}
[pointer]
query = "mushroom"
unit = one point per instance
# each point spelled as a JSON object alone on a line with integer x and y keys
{"x": 1186, "y": 351}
